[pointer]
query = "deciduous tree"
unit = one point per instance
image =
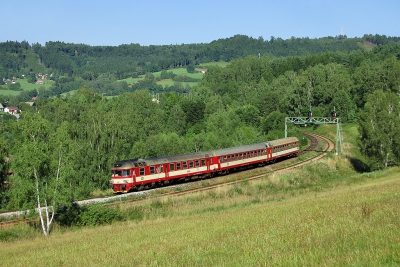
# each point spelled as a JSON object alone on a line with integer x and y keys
{"x": 40, "y": 166}
{"x": 379, "y": 128}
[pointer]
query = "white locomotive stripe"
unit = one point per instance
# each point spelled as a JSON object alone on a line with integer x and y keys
{"x": 122, "y": 180}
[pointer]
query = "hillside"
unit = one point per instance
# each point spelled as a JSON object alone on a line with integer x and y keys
{"x": 102, "y": 68}
{"x": 312, "y": 216}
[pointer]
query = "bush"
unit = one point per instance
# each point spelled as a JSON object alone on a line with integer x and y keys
{"x": 94, "y": 215}
{"x": 68, "y": 215}
{"x": 6, "y": 235}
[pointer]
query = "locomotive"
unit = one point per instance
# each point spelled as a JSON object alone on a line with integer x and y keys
{"x": 136, "y": 174}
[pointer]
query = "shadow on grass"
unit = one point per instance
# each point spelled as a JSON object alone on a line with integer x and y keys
{"x": 358, "y": 165}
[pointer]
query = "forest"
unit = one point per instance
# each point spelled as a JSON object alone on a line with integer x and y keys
{"x": 66, "y": 144}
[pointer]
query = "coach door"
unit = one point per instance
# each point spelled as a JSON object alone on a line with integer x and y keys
{"x": 207, "y": 162}
{"x": 269, "y": 153}
{"x": 166, "y": 169}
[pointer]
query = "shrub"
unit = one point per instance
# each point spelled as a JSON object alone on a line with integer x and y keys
{"x": 6, "y": 235}
{"x": 94, "y": 215}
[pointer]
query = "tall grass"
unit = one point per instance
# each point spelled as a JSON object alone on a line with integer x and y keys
{"x": 351, "y": 224}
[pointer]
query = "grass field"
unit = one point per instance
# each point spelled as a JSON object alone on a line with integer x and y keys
{"x": 323, "y": 214}
{"x": 25, "y": 87}
{"x": 179, "y": 72}
{"x": 9, "y": 92}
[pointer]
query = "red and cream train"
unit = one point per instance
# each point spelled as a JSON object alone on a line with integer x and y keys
{"x": 137, "y": 173}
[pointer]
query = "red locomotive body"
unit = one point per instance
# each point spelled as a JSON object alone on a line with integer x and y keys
{"x": 137, "y": 173}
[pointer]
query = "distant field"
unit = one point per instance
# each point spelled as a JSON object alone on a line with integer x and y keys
{"x": 180, "y": 72}
{"x": 131, "y": 80}
{"x": 170, "y": 82}
{"x": 71, "y": 93}
{"x": 9, "y": 92}
{"x": 220, "y": 64}
{"x": 25, "y": 87}
{"x": 29, "y": 86}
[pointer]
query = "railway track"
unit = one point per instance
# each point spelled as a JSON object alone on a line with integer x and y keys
{"x": 318, "y": 145}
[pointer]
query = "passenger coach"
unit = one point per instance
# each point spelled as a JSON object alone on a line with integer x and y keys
{"x": 138, "y": 173}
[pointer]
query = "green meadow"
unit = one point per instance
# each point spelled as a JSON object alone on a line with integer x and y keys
{"x": 180, "y": 72}
{"x": 25, "y": 86}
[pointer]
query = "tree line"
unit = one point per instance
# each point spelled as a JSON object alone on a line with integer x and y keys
{"x": 132, "y": 60}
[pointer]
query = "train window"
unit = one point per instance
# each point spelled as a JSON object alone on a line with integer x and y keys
{"x": 152, "y": 170}
{"x": 141, "y": 171}
{"x": 203, "y": 162}
{"x": 191, "y": 164}
{"x": 184, "y": 165}
{"x": 197, "y": 163}
{"x": 125, "y": 173}
{"x": 117, "y": 173}
{"x": 178, "y": 166}
{"x": 161, "y": 169}
{"x": 172, "y": 167}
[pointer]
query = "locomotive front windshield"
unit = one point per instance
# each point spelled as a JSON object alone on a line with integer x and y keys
{"x": 121, "y": 172}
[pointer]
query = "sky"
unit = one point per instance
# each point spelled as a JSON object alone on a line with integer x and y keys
{"x": 176, "y": 22}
